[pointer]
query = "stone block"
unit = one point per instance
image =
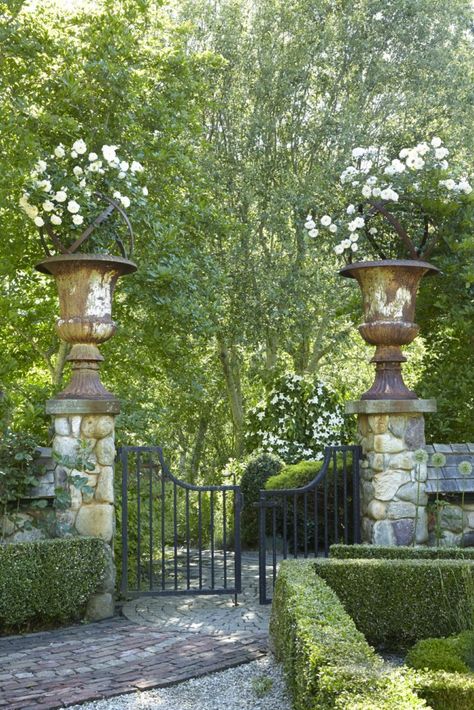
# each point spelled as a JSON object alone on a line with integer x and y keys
{"x": 467, "y": 539}
{"x": 400, "y": 509}
{"x": 387, "y": 484}
{"x": 65, "y": 445}
{"x": 420, "y": 472}
{"x": 105, "y": 451}
{"x": 108, "y": 582}
{"x": 376, "y": 461}
{"x": 404, "y": 461}
{"x": 76, "y": 425}
{"x": 367, "y": 443}
{"x": 413, "y": 492}
{"x": 96, "y": 520}
{"x": 383, "y": 533}
{"x": 421, "y": 536}
{"x": 452, "y": 518}
{"x": 367, "y": 530}
{"x": 363, "y": 425}
{"x": 105, "y": 485}
{"x": 61, "y": 426}
{"x": 97, "y": 427}
{"x": 404, "y": 530}
{"x": 367, "y": 491}
{"x": 397, "y": 425}
{"x": 415, "y": 433}
{"x": 378, "y": 423}
{"x": 100, "y": 606}
{"x": 387, "y": 444}
{"x": 450, "y": 539}
{"x": 376, "y": 509}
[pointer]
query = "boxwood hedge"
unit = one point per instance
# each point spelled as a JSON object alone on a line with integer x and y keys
{"x": 397, "y": 602}
{"x": 327, "y": 661}
{"x": 445, "y": 691}
{"x": 49, "y": 581}
{"x": 350, "y": 552}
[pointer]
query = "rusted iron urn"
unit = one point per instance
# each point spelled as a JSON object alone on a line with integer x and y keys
{"x": 389, "y": 291}
{"x": 86, "y": 284}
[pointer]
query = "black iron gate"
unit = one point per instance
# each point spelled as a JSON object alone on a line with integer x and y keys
{"x": 177, "y": 538}
{"x": 304, "y": 522}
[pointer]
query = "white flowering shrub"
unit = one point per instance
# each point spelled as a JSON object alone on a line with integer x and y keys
{"x": 401, "y": 206}
{"x": 298, "y": 419}
{"x": 71, "y": 189}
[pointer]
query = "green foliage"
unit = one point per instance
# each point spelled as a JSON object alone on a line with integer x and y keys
{"x": 454, "y": 654}
{"x": 326, "y": 659}
{"x": 350, "y": 552}
{"x": 49, "y": 581}
{"x": 297, "y": 420}
{"x": 257, "y": 470}
{"x": 445, "y": 691}
{"x": 391, "y": 601}
{"x": 295, "y": 475}
{"x": 261, "y": 685}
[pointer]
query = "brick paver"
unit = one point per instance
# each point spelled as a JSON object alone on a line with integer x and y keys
{"x": 68, "y": 666}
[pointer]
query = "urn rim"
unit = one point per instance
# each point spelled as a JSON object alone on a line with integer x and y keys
{"x": 428, "y": 268}
{"x": 125, "y": 265}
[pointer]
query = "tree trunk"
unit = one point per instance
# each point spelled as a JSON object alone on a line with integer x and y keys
{"x": 199, "y": 446}
{"x": 58, "y": 369}
{"x": 231, "y": 369}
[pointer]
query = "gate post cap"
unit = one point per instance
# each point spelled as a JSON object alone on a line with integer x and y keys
{"x": 391, "y": 406}
{"x": 82, "y": 406}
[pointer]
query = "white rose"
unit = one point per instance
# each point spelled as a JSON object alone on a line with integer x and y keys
{"x": 467, "y": 189}
{"x": 125, "y": 201}
{"x": 73, "y": 206}
{"x": 358, "y": 152}
{"x": 355, "y": 183}
{"x": 79, "y": 146}
{"x": 353, "y": 237}
{"x": 95, "y": 166}
{"x": 40, "y": 166}
{"x": 310, "y": 224}
{"x": 326, "y": 220}
{"x": 352, "y": 226}
{"x": 366, "y": 191}
{"x": 339, "y": 249}
{"x": 78, "y": 171}
{"x": 404, "y": 153}
{"x": 60, "y": 196}
{"x": 436, "y": 142}
{"x": 394, "y": 195}
{"x": 373, "y": 230}
{"x": 398, "y": 165}
{"x": 441, "y": 153}
{"x": 78, "y": 219}
{"x": 422, "y": 148}
{"x": 92, "y": 157}
{"x": 108, "y": 151}
{"x": 346, "y": 243}
{"x": 444, "y": 164}
{"x": 449, "y": 184}
{"x": 145, "y": 190}
{"x": 351, "y": 209}
{"x": 332, "y": 228}
{"x": 55, "y": 219}
{"x": 73, "y": 153}
{"x": 371, "y": 180}
{"x": 313, "y": 233}
{"x": 376, "y": 191}
{"x": 48, "y": 206}
{"x": 39, "y": 221}
{"x": 121, "y": 175}
{"x": 354, "y": 246}
{"x": 385, "y": 194}
{"x": 390, "y": 170}
{"x": 124, "y": 166}
{"x": 82, "y": 183}
{"x": 59, "y": 151}
{"x": 45, "y": 185}
{"x": 136, "y": 167}
{"x": 359, "y": 222}
{"x": 116, "y": 195}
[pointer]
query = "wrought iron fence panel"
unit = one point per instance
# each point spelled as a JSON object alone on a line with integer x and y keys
{"x": 305, "y": 521}
{"x": 177, "y": 537}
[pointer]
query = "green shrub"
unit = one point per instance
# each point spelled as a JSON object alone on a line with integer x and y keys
{"x": 294, "y": 475}
{"x": 351, "y": 552}
{"x": 398, "y": 602}
{"x": 436, "y": 655}
{"x": 446, "y": 691}
{"x": 49, "y": 581}
{"x": 257, "y": 471}
{"x": 327, "y": 661}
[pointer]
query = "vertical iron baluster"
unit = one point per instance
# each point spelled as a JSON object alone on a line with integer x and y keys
{"x": 163, "y": 530}
{"x": 344, "y": 480}
{"x": 224, "y": 536}
{"x": 175, "y": 534}
{"x": 326, "y": 523}
{"x": 188, "y": 576}
{"x": 211, "y": 530}
{"x": 150, "y": 523}
{"x": 356, "y": 454}
{"x": 336, "y": 501}
{"x": 262, "y": 553}
{"x": 295, "y": 527}
{"x": 285, "y": 512}
{"x": 305, "y": 523}
{"x": 274, "y": 549}
{"x": 200, "y": 538}
{"x": 139, "y": 541}
{"x": 124, "y": 460}
{"x": 316, "y": 522}
{"x": 238, "y": 551}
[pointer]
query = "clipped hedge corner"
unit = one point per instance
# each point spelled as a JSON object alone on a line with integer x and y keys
{"x": 445, "y": 691}
{"x": 327, "y": 661}
{"x": 352, "y": 552}
{"x": 395, "y": 603}
{"x": 50, "y": 581}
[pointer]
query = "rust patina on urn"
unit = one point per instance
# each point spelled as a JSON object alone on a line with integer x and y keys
{"x": 86, "y": 284}
{"x": 389, "y": 291}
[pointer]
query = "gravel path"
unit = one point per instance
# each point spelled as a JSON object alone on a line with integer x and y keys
{"x": 233, "y": 689}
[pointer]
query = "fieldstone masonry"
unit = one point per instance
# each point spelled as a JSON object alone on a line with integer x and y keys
{"x": 393, "y": 485}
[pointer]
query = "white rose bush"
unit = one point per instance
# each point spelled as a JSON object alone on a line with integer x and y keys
{"x": 296, "y": 421}
{"x": 74, "y": 190}
{"x": 396, "y": 207}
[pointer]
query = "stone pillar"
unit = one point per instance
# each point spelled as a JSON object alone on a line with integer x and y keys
{"x": 91, "y": 421}
{"x": 393, "y": 485}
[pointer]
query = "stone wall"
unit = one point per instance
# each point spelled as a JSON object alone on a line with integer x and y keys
{"x": 452, "y": 523}
{"x": 393, "y": 485}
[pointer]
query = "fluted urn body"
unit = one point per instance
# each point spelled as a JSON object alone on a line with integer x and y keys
{"x": 389, "y": 290}
{"x": 86, "y": 284}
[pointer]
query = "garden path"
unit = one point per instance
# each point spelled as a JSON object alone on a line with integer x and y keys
{"x": 161, "y": 641}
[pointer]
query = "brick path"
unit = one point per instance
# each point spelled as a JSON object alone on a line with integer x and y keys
{"x": 86, "y": 662}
